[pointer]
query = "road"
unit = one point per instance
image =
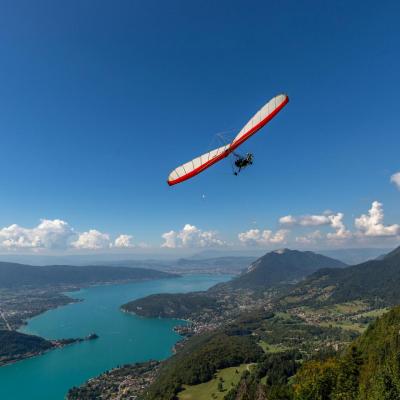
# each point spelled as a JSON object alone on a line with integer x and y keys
{"x": 5, "y": 320}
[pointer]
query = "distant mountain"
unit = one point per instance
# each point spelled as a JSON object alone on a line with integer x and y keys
{"x": 216, "y": 265}
{"x": 277, "y": 267}
{"x": 281, "y": 266}
{"x": 355, "y": 256}
{"x": 89, "y": 259}
{"x": 224, "y": 265}
{"x": 17, "y": 275}
{"x": 376, "y": 281}
{"x": 213, "y": 253}
{"x": 152, "y": 264}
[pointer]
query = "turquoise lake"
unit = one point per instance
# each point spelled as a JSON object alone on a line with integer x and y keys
{"x": 123, "y": 338}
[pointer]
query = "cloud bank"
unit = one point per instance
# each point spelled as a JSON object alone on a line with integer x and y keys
{"x": 368, "y": 226}
{"x": 58, "y": 235}
{"x": 318, "y": 230}
{"x": 328, "y": 218}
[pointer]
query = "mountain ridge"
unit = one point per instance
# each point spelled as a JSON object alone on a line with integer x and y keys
{"x": 189, "y": 305}
{"x": 281, "y": 266}
{"x": 18, "y": 275}
{"x": 374, "y": 280}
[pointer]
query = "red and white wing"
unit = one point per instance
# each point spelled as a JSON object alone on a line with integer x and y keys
{"x": 199, "y": 164}
{"x": 261, "y": 118}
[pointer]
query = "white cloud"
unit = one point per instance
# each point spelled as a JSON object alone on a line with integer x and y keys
{"x": 49, "y": 234}
{"x": 170, "y": 240}
{"x": 124, "y": 242}
{"x": 371, "y": 224}
{"x": 255, "y": 237}
{"x": 305, "y": 220}
{"x": 287, "y": 220}
{"x": 59, "y": 235}
{"x": 395, "y": 179}
{"x": 341, "y": 233}
{"x": 191, "y": 236}
{"x": 328, "y": 218}
{"x": 92, "y": 240}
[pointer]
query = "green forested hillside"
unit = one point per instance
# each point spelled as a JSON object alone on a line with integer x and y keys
{"x": 166, "y": 305}
{"x": 273, "y": 341}
{"x": 198, "y": 361}
{"x": 374, "y": 281}
{"x": 15, "y": 345}
{"x": 368, "y": 370}
{"x": 268, "y": 380}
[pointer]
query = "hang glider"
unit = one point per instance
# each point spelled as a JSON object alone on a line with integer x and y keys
{"x": 199, "y": 164}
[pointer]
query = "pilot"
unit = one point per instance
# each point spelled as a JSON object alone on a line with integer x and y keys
{"x": 243, "y": 162}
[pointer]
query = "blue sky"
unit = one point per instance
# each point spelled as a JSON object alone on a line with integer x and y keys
{"x": 101, "y": 99}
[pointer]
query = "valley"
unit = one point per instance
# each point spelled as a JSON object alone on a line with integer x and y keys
{"x": 316, "y": 315}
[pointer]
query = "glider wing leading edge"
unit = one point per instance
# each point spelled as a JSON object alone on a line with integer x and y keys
{"x": 199, "y": 164}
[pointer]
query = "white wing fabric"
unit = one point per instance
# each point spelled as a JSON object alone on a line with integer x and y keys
{"x": 199, "y": 164}
{"x": 264, "y": 115}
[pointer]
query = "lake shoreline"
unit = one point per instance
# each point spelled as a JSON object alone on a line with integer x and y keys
{"x": 59, "y": 343}
{"x": 55, "y": 345}
{"x": 125, "y": 339}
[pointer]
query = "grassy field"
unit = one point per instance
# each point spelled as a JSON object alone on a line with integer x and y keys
{"x": 228, "y": 377}
{"x": 292, "y": 299}
{"x": 375, "y": 313}
{"x": 283, "y": 315}
{"x": 346, "y": 325}
{"x": 345, "y": 316}
{"x": 350, "y": 307}
{"x": 272, "y": 348}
